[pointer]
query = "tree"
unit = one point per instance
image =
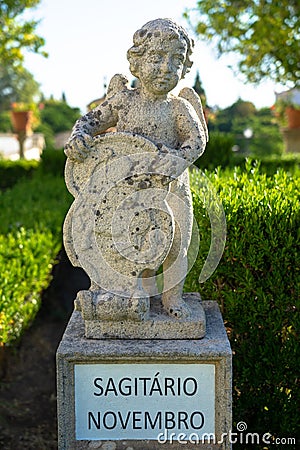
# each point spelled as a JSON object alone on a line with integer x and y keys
{"x": 224, "y": 118}
{"x": 198, "y": 87}
{"x": 242, "y": 115}
{"x": 17, "y": 86}
{"x": 16, "y": 33}
{"x": 266, "y": 34}
{"x": 241, "y": 108}
{"x": 58, "y": 115}
{"x": 5, "y": 122}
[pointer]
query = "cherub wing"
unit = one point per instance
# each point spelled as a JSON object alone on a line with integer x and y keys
{"x": 193, "y": 98}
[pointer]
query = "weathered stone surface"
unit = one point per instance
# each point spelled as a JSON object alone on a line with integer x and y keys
{"x": 120, "y": 223}
{"x": 158, "y": 324}
{"x": 75, "y": 349}
{"x": 133, "y": 213}
{"x": 133, "y": 210}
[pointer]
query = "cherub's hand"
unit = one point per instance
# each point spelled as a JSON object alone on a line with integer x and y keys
{"x": 78, "y": 147}
{"x": 169, "y": 163}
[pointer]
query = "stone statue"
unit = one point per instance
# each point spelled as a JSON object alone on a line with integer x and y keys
{"x": 133, "y": 211}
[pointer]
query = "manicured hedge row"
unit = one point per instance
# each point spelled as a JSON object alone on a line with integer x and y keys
{"x": 218, "y": 151}
{"x": 219, "y": 154}
{"x": 13, "y": 171}
{"x": 32, "y": 213}
{"x": 289, "y": 162}
{"x": 53, "y": 161}
{"x": 257, "y": 285}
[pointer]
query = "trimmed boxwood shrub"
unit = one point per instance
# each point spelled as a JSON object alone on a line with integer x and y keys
{"x": 289, "y": 162}
{"x": 257, "y": 285}
{"x": 13, "y": 171}
{"x": 53, "y": 161}
{"x": 218, "y": 151}
{"x": 32, "y": 213}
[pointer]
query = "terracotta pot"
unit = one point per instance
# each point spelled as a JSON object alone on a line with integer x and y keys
{"x": 22, "y": 120}
{"x": 293, "y": 117}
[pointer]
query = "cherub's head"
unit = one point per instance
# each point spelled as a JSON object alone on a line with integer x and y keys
{"x": 160, "y": 56}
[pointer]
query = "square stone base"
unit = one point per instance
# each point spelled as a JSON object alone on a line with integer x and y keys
{"x": 159, "y": 325}
{"x": 212, "y": 350}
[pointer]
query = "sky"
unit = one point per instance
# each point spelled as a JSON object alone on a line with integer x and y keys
{"x": 87, "y": 42}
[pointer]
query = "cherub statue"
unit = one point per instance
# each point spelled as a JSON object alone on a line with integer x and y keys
{"x": 159, "y": 58}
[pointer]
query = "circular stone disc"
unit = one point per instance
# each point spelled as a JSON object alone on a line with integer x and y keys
{"x": 117, "y": 181}
{"x": 106, "y": 147}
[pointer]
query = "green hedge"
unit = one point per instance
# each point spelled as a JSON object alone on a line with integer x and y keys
{"x": 32, "y": 213}
{"x": 289, "y": 162}
{"x": 218, "y": 152}
{"x": 53, "y": 161}
{"x": 13, "y": 171}
{"x": 257, "y": 285}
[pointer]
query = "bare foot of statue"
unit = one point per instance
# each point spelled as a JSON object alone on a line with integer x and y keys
{"x": 175, "y": 306}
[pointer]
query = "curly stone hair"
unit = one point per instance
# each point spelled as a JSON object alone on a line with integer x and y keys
{"x": 159, "y": 27}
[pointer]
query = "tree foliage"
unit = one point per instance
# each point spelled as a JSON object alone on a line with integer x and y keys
{"x": 17, "y": 33}
{"x": 59, "y": 115}
{"x": 266, "y": 34}
{"x": 199, "y": 89}
{"x": 266, "y": 139}
{"x": 17, "y": 86}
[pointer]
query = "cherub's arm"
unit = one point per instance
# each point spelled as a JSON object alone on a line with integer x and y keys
{"x": 192, "y": 141}
{"x": 88, "y": 126}
{"x": 95, "y": 122}
{"x": 191, "y": 132}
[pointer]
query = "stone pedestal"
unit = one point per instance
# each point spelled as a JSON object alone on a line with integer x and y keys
{"x": 134, "y": 394}
{"x": 157, "y": 324}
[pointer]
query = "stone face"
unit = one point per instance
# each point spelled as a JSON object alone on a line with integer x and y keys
{"x": 133, "y": 211}
{"x": 75, "y": 349}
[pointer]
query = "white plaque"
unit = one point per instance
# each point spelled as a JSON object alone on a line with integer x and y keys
{"x": 144, "y": 401}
